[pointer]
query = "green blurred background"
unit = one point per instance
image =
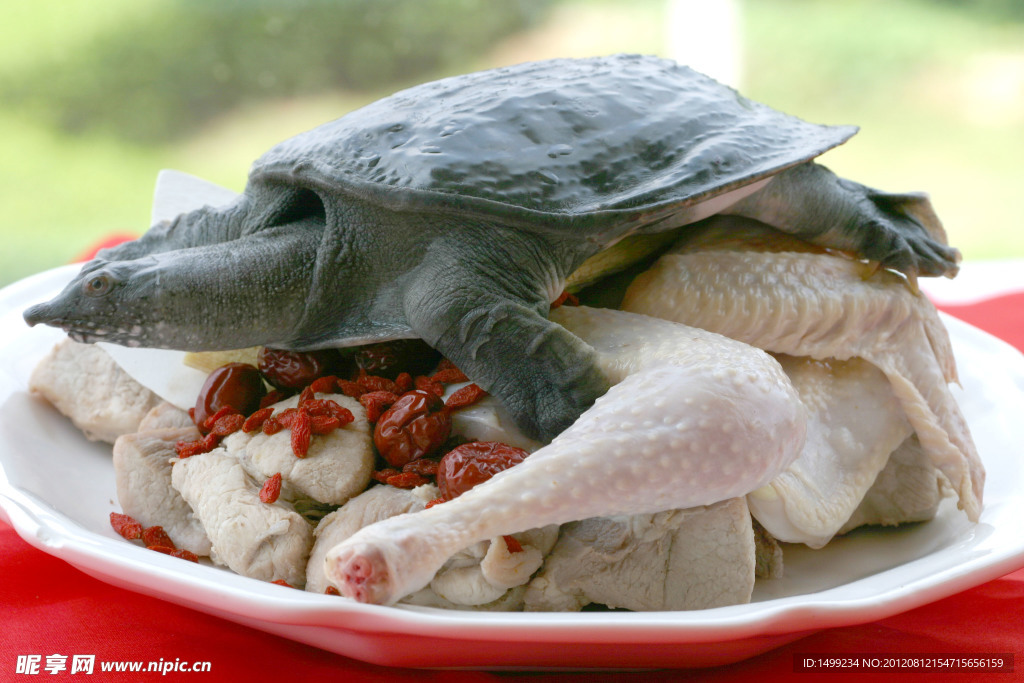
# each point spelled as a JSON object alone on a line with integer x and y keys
{"x": 97, "y": 97}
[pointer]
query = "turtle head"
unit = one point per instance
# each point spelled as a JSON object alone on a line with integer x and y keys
{"x": 106, "y": 301}
{"x": 188, "y": 299}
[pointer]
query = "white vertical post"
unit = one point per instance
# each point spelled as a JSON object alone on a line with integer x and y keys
{"x": 705, "y": 35}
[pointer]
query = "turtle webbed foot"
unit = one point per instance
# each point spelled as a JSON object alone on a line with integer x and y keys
{"x": 902, "y": 232}
{"x": 545, "y": 376}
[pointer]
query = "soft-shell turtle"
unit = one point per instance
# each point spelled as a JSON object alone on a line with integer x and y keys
{"x": 454, "y": 211}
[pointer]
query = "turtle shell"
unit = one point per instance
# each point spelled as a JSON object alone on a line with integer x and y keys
{"x": 582, "y": 146}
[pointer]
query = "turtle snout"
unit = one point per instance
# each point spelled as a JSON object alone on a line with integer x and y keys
{"x": 41, "y": 313}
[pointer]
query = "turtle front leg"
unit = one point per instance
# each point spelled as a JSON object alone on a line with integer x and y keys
{"x": 901, "y": 231}
{"x": 490, "y": 320}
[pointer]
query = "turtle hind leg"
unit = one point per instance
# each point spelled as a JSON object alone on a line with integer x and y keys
{"x": 492, "y": 328}
{"x": 901, "y": 231}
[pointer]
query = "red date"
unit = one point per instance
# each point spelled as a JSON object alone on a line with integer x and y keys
{"x": 415, "y": 426}
{"x": 473, "y": 463}
{"x": 390, "y": 359}
{"x": 294, "y": 370}
{"x": 238, "y": 385}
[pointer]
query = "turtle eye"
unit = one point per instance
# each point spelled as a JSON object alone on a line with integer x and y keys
{"x": 97, "y": 285}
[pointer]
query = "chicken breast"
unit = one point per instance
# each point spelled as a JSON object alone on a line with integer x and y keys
{"x": 142, "y": 472}
{"x": 825, "y": 307}
{"x": 854, "y": 423}
{"x": 267, "y": 541}
{"x": 84, "y": 383}
{"x": 674, "y": 560}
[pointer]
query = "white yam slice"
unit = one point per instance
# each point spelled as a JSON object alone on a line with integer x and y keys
{"x": 337, "y": 466}
{"x": 267, "y": 541}
{"x": 142, "y": 472}
{"x": 167, "y": 416}
{"x": 84, "y": 383}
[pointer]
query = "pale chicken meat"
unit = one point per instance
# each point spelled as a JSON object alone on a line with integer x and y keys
{"x": 908, "y": 489}
{"x": 84, "y": 383}
{"x": 268, "y": 541}
{"x": 672, "y": 560}
{"x": 826, "y": 307}
{"x": 854, "y": 423}
{"x": 693, "y": 418}
{"x": 142, "y": 473}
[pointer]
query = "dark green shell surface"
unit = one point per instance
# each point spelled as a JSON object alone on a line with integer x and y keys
{"x": 573, "y": 145}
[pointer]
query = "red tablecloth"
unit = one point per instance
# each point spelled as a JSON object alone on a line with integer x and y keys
{"x": 50, "y": 607}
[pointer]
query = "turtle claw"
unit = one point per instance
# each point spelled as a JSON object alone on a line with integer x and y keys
{"x": 868, "y": 269}
{"x": 910, "y": 280}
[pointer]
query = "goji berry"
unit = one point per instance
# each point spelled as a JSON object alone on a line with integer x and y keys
{"x": 331, "y": 590}
{"x": 325, "y": 385}
{"x": 512, "y": 544}
{"x": 423, "y": 383}
{"x": 156, "y": 536}
{"x": 186, "y": 449}
{"x": 228, "y": 424}
{"x": 376, "y": 402}
{"x": 286, "y": 416}
{"x": 445, "y": 364}
{"x": 567, "y": 299}
{"x": 125, "y": 526}
{"x": 466, "y": 396}
{"x": 209, "y": 422}
{"x": 382, "y": 475}
{"x": 302, "y": 432}
{"x": 306, "y": 395}
{"x": 275, "y": 396}
{"x": 323, "y": 424}
{"x": 375, "y": 383}
{"x": 403, "y": 383}
{"x": 326, "y": 406}
{"x": 282, "y": 582}
{"x": 350, "y": 389}
{"x": 271, "y": 489}
{"x": 256, "y": 420}
{"x": 450, "y": 375}
{"x": 271, "y": 426}
{"x": 406, "y": 480}
{"x": 432, "y": 503}
{"x": 183, "y": 554}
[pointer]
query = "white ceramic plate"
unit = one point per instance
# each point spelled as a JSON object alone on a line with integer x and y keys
{"x": 57, "y": 490}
